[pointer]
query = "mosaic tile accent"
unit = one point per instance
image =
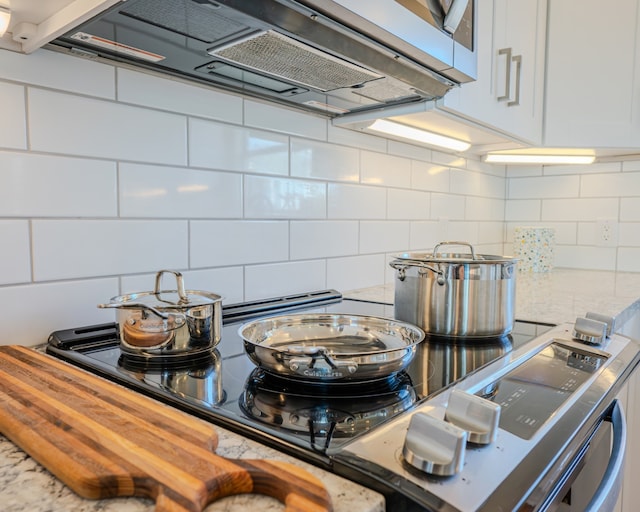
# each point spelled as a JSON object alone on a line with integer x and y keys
{"x": 534, "y": 246}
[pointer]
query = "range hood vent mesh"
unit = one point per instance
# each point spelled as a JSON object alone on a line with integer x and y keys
{"x": 286, "y": 58}
{"x": 200, "y": 21}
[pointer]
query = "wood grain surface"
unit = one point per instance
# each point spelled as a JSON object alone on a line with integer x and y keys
{"x": 103, "y": 440}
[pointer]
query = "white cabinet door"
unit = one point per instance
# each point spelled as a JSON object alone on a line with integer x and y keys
{"x": 593, "y": 71}
{"x": 508, "y": 94}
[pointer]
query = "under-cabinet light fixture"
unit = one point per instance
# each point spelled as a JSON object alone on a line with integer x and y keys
{"x": 497, "y": 158}
{"x": 417, "y": 134}
{"x": 5, "y": 18}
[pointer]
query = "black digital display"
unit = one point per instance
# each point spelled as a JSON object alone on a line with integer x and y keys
{"x": 532, "y": 392}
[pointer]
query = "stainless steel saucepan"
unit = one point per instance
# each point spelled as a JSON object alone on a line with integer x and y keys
{"x": 329, "y": 347}
{"x": 168, "y": 322}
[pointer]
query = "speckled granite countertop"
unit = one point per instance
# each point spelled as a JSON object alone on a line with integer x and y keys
{"x": 556, "y": 296}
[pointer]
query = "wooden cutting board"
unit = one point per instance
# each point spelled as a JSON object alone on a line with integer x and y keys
{"x": 104, "y": 441}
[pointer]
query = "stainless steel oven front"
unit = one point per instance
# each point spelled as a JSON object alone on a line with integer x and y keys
{"x": 560, "y": 434}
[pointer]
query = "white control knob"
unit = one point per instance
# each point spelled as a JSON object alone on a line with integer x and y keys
{"x": 609, "y": 320}
{"x": 434, "y": 446}
{"x": 478, "y": 416}
{"x": 589, "y": 331}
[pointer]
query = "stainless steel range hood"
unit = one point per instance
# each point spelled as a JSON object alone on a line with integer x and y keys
{"x": 325, "y": 56}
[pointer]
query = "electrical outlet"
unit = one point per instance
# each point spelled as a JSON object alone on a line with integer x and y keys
{"x": 606, "y": 233}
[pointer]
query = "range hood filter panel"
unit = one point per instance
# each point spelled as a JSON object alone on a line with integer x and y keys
{"x": 287, "y": 58}
{"x": 185, "y": 17}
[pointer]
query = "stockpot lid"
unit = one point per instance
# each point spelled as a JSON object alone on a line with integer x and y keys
{"x": 441, "y": 257}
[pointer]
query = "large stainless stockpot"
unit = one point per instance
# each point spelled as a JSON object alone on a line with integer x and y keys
{"x": 168, "y": 322}
{"x": 456, "y": 294}
{"x": 329, "y": 347}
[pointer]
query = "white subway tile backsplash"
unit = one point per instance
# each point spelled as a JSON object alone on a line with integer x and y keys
{"x": 631, "y": 166}
{"x": 449, "y": 160}
{"x": 319, "y": 160}
{"x": 629, "y": 234}
{"x": 232, "y": 148}
{"x": 387, "y": 170}
{"x": 345, "y": 137}
{"x": 544, "y": 187}
{"x": 491, "y": 233}
{"x": 227, "y": 282}
{"x": 155, "y": 191}
{"x": 493, "y": 169}
{"x": 464, "y": 231}
{"x": 428, "y": 176}
{"x": 629, "y": 209}
{"x": 479, "y": 208}
{"x": 585, "y": 257}
{"x": 247, "y": 199}
{"x": 218, "y": 243}
{"x": 323, "y": 239}
{"x": 412, "y": 151}
{"x": 610, "y": 185}
{"x": 48, "y": 186}
{"x": 383, "y": 236}
{"x": 63, "y": 123}
{"x": 355, "y": 272}
{"x": 268, "y": 198}
{"x": 578, "y": 209}
{"x": 527, "y": 210}
{"x": 59, "y": 306}
{"x": 447, "y": 206}
{"x": 279, "y": 119}
{"x": 550, "y": 170}
{"x": 356, "y": 202}
{"x": 57, "y": 71}
{"x": 628, "y": 259}
{"x": 407, "y": 204}
{"x": 15, "y": 257}
{"x": 277, "y": 279}
{"x": 174, "y": 95}
{"x": 477, "y": 184}
{"x": 13, "y": 127}
{"x": 66, "y": 249}
{"x": 424, "y": 235}
{"x": 521, "y": 171}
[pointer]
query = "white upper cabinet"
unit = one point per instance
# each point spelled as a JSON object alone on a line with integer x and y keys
{"x": 509, "y": 92}
{"x": 593, "y": 72}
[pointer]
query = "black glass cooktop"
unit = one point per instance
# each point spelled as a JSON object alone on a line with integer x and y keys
{"x": 308, "y": 419}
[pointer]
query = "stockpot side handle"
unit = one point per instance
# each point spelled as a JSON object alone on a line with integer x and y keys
{"x": 606, "y": 495}
{"x": 179, "y": 282}
{"x": 402, "y": 269}
{"x": 467, "y": 244}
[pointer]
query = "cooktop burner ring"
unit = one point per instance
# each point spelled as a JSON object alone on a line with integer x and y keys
{"x": 191, "y": 360}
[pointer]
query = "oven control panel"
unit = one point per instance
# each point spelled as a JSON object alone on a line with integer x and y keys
{"x": 540, "y": 396}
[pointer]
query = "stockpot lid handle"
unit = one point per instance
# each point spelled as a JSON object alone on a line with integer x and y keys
{"x": 183, "y": 299}
{"x": 473, "y": 252}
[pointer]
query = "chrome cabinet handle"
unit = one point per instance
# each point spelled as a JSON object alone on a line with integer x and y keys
{"x": 606, "y": 495}
{"x": 507, "y": 74}
{"x": 507, "y": 52}
{"x": 518, "y": 60}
